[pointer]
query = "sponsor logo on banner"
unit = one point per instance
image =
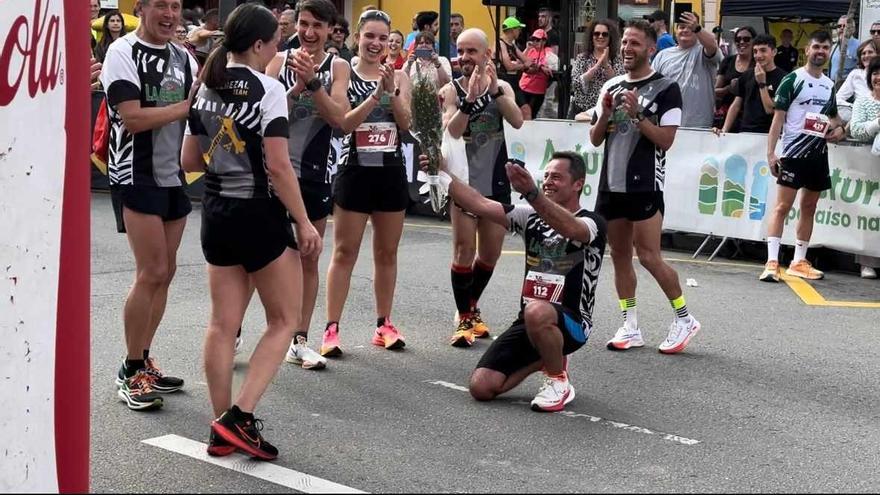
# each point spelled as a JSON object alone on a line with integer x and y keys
{"x": 744, "y": 187}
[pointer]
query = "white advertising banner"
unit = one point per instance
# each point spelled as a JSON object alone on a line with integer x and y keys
{"x": 33, "y": 145}
{"x": 722, "y": 185}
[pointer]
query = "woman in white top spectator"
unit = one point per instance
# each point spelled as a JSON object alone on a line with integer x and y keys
{"x": 864, "y": 126}
{"x": 600, "y": 62}
{"x": 425, "y": 60}
{"x": 855, "y": 84}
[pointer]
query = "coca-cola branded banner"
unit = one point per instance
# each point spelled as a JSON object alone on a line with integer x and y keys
{"x": 44, "y": 221}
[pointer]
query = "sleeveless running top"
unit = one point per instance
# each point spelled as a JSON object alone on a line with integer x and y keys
{"x": 486, "y": 148}
{"x": 309, "y": 142}
{"x": 376, "y": 142}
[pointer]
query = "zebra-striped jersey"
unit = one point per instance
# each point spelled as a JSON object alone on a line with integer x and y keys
{"x": 230, "y": 123}
{"x": 808, "y": 102}
{"x": 632, "y": 162}
{"x": 484, "y": 141}
{"x": 157, "y": 76}
{"x": 309, "y": 142}
{"x": 376, "y": 142}
{"x": 560, "y": 270}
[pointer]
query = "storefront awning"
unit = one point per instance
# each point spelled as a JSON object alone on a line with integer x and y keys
{"x": 785, "y": 8}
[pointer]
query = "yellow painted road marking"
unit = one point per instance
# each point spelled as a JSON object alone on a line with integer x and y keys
{"x": 810, "y": 296}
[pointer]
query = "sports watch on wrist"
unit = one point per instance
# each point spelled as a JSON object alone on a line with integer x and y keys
{"x": 313, "y": 85}
{"x": 531, "y": 195}
{"x": 697, "y": 28}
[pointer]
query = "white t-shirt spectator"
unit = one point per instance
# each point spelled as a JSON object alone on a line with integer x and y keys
{"x": 695, "y": 74}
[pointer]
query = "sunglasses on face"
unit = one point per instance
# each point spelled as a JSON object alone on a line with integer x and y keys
{"x": 744, "y": 39}
{"x": 339, "y": 31}
{"x": 535, "y": 40}
{"x": 875, "y": 31}
{"x": 601, "y": 34}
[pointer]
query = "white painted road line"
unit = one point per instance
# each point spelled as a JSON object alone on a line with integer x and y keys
{"x": 593, "y": 419}
{"x": 244, "y": 464}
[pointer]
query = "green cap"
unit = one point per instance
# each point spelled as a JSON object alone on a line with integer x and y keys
{"x": 511, "y": 23}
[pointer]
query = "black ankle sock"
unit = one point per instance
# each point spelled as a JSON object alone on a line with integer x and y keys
{"x": 133, "y": 365}
{"x": 146, "y": 354}
{"x": 380, "y": 321}
{"x": 304, "y": 335}
{"x": 238, "y": 414}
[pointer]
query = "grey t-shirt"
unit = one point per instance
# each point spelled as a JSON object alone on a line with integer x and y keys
{"x": 695, "y": 74}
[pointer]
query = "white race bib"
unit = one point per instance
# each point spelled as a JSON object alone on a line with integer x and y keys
{"x": 376, "y": 137}
{"x": 540, "y": 286}
{"x": 816, "y": 124}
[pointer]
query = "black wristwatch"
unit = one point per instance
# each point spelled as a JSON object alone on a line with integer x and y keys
{"x": 762, "y": 85}
{"x": 498, "y": 94}
{"x": 640, "y": 116}
{"x": 697, "y": 28}
{"x": 313, "y": 85}
{"x": 531, "y": 195}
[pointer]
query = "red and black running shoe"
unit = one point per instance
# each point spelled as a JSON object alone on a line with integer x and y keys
{"x": 217, "y": 447}
{"x": 244, "y": 434}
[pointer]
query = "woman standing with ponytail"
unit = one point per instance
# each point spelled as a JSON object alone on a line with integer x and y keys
{"x": 237, "y": 132}
{"x": 371, "y": 183}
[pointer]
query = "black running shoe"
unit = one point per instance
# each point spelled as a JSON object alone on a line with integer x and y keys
{"x": 162, "y": 383}
{"x": 137, "y": 392}
{"x": 218, "y": 447}
{"x": 244, "y": 435}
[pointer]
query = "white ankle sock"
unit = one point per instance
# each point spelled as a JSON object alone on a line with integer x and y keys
{"x": 800, "y": 250}
{"x": 773, "y": 248}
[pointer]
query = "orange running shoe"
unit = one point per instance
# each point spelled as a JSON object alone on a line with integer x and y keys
{"x": 804, "y": 269}
{"x": 388, "y": 336}
{"x": 464, "y": 334}
{"x": 770, "y": 273}
{"x": 480, "y": 329}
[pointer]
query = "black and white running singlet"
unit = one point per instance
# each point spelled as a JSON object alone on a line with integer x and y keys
{"x": 484, "y": 142}
{"x": 376, "y": 142}
{"x": 310, "y": 134}
{"x": 230, "y": 123}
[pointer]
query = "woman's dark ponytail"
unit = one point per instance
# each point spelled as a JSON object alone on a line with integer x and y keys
{"x": 246, "y": 24}
{"x": 214, "y": 72}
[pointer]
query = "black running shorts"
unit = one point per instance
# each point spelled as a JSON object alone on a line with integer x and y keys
{"x": 247, "y": 232}
{"x": 513, "y": 350}
{"x": 635, "y": 207}
{"x": 316, "y": 198}
{"x": 809, "y": 173}
{"x": 168, "y": 203}
{"x": 371, "y": 189}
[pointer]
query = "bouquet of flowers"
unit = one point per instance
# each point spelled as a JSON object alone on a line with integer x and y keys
{"x": 427, "y": 127}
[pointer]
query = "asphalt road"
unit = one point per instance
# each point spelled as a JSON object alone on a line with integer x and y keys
{"x": 772, "y": 395}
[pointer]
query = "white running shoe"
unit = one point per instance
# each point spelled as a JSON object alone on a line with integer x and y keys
{"x": 553, "y": 395}
{"x": 300, "y": 353}
{"x": 626, "y": 338}
{"x": 680, "y": 334}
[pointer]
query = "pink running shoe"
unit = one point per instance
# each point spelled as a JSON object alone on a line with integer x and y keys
{"x": 330, "y": 343}
{"x": 388, "y": 336}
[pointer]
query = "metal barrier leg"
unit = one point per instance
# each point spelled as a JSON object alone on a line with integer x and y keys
{"x": 715, "y": 253}
{"x": 705, "y": 241}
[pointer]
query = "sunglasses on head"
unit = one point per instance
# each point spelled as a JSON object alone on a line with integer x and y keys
{"x": 375, "y": 14}
{"x": 601, "y": 34}
{"x": 743, "y": 39}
